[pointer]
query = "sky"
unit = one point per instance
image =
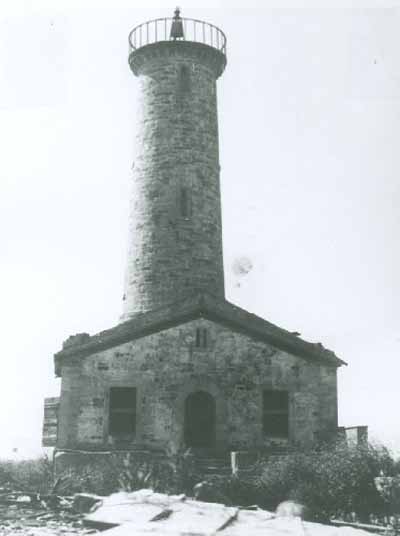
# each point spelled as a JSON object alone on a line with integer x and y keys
{"x": 309, "y": 121}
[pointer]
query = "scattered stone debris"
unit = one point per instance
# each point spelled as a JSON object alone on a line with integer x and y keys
{"x": 35, "y": 514}
{"x": 84, "y": 503}
{"x": 291, "y": 509}
{"x": 144, "y": 512}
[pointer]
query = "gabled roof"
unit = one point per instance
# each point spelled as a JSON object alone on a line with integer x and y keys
{"x": 201, "y": 305}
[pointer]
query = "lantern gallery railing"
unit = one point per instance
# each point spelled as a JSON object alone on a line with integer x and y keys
{"x": 177, "y": 29}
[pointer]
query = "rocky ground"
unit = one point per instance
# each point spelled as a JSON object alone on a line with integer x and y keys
{"x": 127, "y": 513}
{"x": 34, "y": 516}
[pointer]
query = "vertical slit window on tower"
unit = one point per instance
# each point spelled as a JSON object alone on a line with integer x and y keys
{"x": 184, "y": 79}
{"x": 276, "y": 413}
{"x": 185, "y": 203}
{"x": 122, "y": 417}
{"x": 201, "y": 338}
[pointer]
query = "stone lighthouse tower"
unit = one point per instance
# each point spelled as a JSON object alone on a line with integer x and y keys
{"x": 175, "y": 242}
{"x": 184, "y": 368}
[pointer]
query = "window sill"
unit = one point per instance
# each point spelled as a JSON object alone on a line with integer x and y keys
{"x": 121, "y": 438}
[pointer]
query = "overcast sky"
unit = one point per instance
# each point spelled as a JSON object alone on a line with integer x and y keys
{"x": 309, "y": 119}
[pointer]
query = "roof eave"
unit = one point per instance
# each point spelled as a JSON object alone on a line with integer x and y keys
{"x": 206, "y": 306}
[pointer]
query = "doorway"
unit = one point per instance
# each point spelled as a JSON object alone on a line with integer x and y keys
{"x": 200, "y": 420}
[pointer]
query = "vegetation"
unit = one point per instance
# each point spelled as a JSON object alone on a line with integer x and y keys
{"x": 27, "y": 475}
{"x": 114, "y": 473}
{"x": 331, "y": 482}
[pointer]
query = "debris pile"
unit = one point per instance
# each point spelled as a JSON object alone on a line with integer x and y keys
{"x": 144, "y": 513}
{"x": 35, "y": 514}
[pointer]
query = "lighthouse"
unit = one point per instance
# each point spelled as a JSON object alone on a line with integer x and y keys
{"x": 175, "y": 230}
{"x": 184, "y": 368}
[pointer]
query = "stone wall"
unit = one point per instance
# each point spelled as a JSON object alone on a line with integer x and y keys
{"x": 167, "y": 366}
{"x": 175, "y": 232}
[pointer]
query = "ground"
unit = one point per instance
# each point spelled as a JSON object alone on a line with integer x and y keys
{"x": 26, "y": 521}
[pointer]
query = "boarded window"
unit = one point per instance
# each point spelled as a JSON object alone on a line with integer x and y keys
{"x": 201, "y": 338}
{"x": 50, "y": 423}
{"x": 122, "y": 418}
{"x": 276, "y": 413}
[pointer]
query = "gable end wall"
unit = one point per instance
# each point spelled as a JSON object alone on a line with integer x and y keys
{"x": 165, "y": 367}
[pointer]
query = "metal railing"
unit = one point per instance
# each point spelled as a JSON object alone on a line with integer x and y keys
{"x": 194, "y": 30}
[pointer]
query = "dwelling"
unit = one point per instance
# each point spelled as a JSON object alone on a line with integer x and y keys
{"x": 184, "y": 367}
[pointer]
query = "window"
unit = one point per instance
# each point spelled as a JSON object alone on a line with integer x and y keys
{"x": 201, "y": 338}
{"x": 184, "y": 79}
{"x": 184, "y": 202}
{"x": 122, "y": 418}
{"x": 276, "y": 414}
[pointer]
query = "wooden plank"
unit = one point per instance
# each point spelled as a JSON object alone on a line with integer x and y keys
{"x": 50, "y": 422}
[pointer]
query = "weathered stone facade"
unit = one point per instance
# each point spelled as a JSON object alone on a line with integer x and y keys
{"x": 161, "y": 356}
{"x": 175, "y": 231}
{"x": 185, "y": 368}
{"x": 166, "y": 367}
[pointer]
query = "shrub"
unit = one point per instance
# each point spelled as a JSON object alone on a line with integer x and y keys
{"x": 90, "y": 479}
{"x": 241, "y": 491}
{"x": 330, "y": 482}
{"x": 133, "y": 474}
{"x": 27, "y": 475}
{"x": 389, "y": 489}
{"x": 129, "y": 473}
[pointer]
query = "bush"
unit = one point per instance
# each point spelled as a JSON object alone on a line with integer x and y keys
{"x": 389, "y": 489}
{"x": 330, "y": 482}
{"x": 27, "y": 475}
{"x": 129, "y": 473}
{"x": 237, "y": 491}
{"x": 89, "y": 479}
{"x": 133, "y": 474}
